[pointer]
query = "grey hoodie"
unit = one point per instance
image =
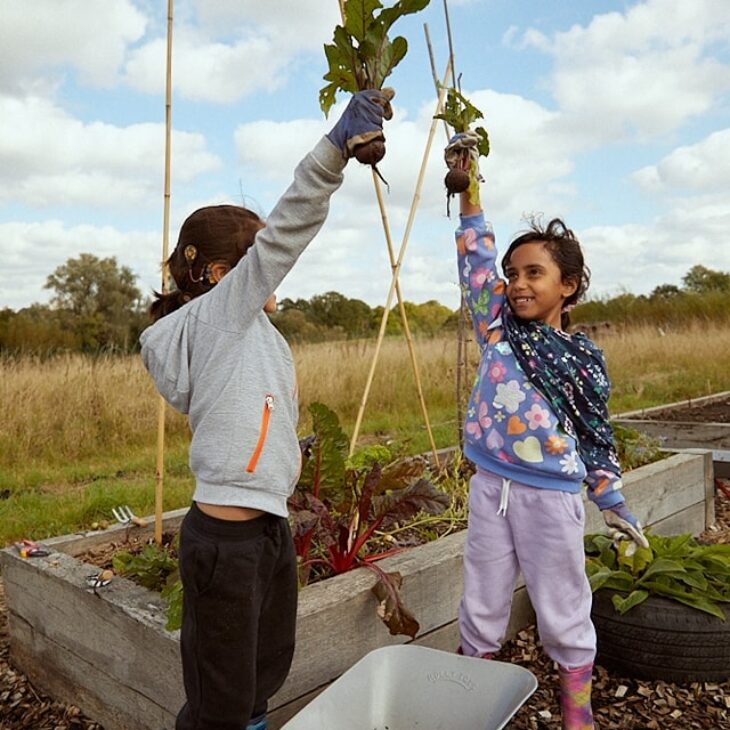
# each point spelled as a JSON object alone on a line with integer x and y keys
{"x": 220, "y": 360}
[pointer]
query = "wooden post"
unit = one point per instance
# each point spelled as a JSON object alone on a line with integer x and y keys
{"x": 160, "y": 467}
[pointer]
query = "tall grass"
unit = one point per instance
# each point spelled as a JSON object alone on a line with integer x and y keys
{"x": 80, "y": 427}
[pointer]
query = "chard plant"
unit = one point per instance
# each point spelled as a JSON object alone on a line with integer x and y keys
{"x": 340, "y": 503}
{"x": 361, "y": 56}
{"x": 678, "y": 568}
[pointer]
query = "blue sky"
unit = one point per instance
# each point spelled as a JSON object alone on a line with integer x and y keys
{"x": 612, "y": 115}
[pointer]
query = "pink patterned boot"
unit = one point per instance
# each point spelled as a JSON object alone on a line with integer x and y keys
{"x": 575, "y": 697}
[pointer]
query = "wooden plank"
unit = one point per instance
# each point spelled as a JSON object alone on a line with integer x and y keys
{"x": 677, "y": 405}
{"x": 80, "y": 542}
{"x": 118, "y": 633}
{"x": 68, "y": 678}
{"x": 659, "y": 490}
{"x": 431, "y": 589}
{"x": 683, "y": 434}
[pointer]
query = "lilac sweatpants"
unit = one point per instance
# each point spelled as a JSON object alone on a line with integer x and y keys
{"x": 540, "y": 532}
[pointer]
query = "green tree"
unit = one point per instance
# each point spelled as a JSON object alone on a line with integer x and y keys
{"x": 701, "y": 280}
{"x": 99, "y": 299}
{"x": 665, "y": 291}
{"x": 334, "y": 310}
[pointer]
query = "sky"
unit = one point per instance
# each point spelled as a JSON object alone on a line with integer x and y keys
{"x": 612, "y": 115}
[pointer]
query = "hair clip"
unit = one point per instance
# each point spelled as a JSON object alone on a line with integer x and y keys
{"x": 190, "y": 253}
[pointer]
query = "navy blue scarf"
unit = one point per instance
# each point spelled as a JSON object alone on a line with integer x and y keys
{"x": 570, "y": 372}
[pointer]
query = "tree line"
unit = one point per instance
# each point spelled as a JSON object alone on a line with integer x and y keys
{"x": 97, "y": 306}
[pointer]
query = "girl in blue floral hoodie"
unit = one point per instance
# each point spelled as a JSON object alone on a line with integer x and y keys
{"x": 536, "y": 428}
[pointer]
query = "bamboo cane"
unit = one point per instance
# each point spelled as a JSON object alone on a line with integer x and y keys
{"x": 461, "y": 330}
{"x": 401, "y": 308}
{"x": 396, "y": 267}
{"x": 160, "y": 466}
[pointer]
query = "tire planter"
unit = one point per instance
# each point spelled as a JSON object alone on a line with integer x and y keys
{"x": 662, "y": 639}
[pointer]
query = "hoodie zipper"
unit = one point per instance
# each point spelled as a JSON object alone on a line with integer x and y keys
{"x": 265, "y": 416}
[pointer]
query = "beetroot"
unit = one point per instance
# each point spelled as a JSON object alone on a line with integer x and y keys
{"x": 371, "y": 152}
{"x": 456, "y": 181}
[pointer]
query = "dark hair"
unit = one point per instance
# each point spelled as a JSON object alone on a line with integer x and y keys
{"x": 565, "y": 249}
{"x": 214, "y": 234}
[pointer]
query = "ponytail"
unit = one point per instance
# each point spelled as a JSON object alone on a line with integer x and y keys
{"x": 166, "y": 303}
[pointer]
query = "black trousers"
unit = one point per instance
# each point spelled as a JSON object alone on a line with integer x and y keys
{"x": 239, "y": 617}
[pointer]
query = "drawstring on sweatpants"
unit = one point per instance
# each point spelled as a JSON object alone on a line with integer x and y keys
{"x": 504, "y": 497}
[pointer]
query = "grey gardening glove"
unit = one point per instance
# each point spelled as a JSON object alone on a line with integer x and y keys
{"x": 362, "y": 120}
{"x": 461, "y": 145}
{"x": 623, "y": 525}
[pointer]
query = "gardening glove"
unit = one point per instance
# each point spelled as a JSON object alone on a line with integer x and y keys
{"x": 362, "y": 120}
{"x": 461, "y": 145}
{"x": 623, "y": 525}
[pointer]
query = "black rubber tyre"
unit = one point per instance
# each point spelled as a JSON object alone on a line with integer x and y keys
{"x": 662, "y": 639}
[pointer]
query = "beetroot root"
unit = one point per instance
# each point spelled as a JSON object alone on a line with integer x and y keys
{"x": 371, "y": 152}
{"x": 456, "y": 181}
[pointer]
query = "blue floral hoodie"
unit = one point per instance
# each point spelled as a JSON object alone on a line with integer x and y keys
{"x": 511, "y": 429}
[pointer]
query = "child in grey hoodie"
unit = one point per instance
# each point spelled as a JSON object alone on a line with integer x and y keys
{"x": 214, "y": 355}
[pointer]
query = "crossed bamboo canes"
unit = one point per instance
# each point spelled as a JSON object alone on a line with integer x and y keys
{"x": 160, "y": 466}
{"x": 395, "y": 265}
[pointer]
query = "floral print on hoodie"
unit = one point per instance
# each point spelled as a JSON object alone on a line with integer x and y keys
{"x": 510, "y": 428}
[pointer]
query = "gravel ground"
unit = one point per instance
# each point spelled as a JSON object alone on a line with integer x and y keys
{"x": 620, "y": 703}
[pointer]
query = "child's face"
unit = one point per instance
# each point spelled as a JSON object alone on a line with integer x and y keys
{"x": 535, "y": 286}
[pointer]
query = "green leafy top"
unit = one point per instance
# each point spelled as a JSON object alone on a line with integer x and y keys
{"x": 676, "y": 567}
{"x": 460, "y": 114}
{"x": 361, "y": 55}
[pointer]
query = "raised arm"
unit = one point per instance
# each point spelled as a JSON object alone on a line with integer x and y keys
{"x": 481, "y": 285}
{"x": 298, "y": 215}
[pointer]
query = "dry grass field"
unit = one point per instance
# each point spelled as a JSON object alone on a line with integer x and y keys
{"x": 74, "y": 408}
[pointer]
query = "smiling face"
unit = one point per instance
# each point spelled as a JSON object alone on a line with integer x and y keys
{"x": 535, "y": 286}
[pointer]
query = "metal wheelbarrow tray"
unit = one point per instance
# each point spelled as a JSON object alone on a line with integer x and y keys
{"x": 406, "y": 687}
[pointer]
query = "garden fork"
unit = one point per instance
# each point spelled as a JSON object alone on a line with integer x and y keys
{"x": 125, "y": 516}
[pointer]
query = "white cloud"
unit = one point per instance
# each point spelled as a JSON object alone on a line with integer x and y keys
{"x": 298, "y": 24}
{"x": 205, "y": 70}
{"x": 49, "y": 35}
{"x": 32, "y": 251}
{"x": 643, "y": 72}
{"x": 223, "y": 51}
{"x": 48, "y": 157}
{"x": 638, "y": 258}
{"x": 704, "y": 166}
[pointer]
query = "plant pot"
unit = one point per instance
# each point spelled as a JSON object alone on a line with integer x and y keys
{"x": 661, "y": 639}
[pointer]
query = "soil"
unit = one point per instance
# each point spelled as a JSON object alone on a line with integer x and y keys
{"x": 717, "y": 412}
{"x": 619, "y": 703}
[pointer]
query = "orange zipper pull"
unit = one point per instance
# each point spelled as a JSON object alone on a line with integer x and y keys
{"x": 266, "y": 414}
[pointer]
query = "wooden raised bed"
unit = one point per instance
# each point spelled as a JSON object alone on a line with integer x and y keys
{"x": 699, "y": 423}
{"x": 110, "y": 655}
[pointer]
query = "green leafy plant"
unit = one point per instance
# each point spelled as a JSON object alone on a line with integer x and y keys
{"x": 460, "y": 114}
{"x": 678, "y": 568}
{"x": 634, "y": 448}
{"x": 361, "y": 56}
{"x": 341, "y": 502}
{"x": 155, "y": 567}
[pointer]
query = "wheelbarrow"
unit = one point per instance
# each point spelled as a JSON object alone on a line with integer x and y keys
{"x": 408, "y": 687}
